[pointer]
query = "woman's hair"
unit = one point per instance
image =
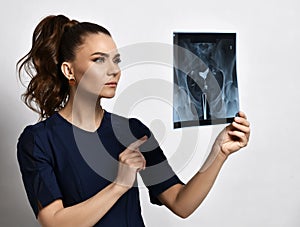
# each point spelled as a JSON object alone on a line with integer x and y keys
{"x": 55, "y": 40}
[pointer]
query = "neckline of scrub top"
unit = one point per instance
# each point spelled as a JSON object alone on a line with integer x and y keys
{"x": 64, "y": 120}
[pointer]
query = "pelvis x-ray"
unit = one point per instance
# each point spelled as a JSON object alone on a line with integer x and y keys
{"x": 205, "y": 79}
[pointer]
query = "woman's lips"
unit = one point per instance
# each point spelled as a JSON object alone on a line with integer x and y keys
{"x": 111, "y": 84}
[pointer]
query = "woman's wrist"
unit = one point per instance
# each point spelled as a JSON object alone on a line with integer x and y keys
{"x": 222, "y": 155}
{"x": 218, "y": 149}
{"x": 119, "y": 188}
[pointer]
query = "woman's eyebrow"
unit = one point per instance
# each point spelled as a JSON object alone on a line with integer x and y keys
{"x": 105, "y": 54}
{"x": 100, "y": 53}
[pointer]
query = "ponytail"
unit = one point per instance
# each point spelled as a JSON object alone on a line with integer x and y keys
{"x": 54, "y": 41}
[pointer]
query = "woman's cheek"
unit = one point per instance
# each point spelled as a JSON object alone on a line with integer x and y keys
{"x": 94, "y": 79}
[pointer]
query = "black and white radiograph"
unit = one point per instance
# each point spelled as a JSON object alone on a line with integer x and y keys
{"x": 205, "y": 79}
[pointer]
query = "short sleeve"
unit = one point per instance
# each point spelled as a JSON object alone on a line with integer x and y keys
{"x": 36, "y": 167}
{"x": 159, "y": 175}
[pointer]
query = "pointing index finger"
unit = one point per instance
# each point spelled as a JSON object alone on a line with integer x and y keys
{"x": 138, "y": 143}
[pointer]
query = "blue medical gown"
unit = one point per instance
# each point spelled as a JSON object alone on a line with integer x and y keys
{"x": 60, "y": 161}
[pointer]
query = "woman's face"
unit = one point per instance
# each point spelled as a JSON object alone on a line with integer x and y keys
{"x": 95, "y": 67}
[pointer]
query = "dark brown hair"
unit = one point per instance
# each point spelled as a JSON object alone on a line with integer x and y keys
{"x": 55, "y": 40}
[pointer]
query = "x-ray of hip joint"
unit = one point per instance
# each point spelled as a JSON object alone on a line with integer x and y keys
{"x": 205, "y": 79}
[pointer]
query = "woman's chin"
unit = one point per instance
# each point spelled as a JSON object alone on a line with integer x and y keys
{"x": 108, "y": 95}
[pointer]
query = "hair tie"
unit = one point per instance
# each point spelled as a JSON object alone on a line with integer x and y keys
{"x": 70, "y": 24}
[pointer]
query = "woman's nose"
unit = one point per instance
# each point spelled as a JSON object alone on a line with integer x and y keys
{"x": 114, "y": 69}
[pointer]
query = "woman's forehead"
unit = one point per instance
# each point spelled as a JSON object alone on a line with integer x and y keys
{"x": 99, "y": 42}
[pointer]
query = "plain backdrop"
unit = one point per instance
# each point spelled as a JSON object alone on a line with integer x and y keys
{"x": 258, "y": 186}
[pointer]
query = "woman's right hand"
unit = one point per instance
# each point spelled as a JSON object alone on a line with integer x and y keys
{"x": 131, "y": 161}
{"x": 87, "y": 212}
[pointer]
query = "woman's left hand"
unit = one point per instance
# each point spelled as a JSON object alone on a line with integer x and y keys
{"x": 235, "y": 136}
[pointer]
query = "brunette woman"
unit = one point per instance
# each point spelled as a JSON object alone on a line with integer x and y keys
{"x": 73, "y": 65}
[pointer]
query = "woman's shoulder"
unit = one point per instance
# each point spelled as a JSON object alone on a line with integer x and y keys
{"x": 36, "y": 135}
{"x": 38, "y": 128}
{"x": 32, "y": 129}
{"x": 135, "y": 125}
{"x": 131, "y": 120}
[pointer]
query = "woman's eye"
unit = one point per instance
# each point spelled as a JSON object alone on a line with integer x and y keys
{"x": 99, "y": 60}
{"x": 117, "y": 60}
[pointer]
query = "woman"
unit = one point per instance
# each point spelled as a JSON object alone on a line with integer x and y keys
{"x": 73, "y": 66}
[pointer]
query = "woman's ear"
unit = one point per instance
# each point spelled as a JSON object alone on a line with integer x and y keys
{"x": 67, "y": 70}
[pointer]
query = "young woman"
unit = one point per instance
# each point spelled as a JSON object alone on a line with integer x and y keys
{"x": 73, "y": 66}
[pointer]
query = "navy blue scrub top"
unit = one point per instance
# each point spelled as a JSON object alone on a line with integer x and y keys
{"x": 60, "y": 161}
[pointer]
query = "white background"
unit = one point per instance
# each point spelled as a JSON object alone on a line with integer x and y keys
{"x": 258, "y": 186}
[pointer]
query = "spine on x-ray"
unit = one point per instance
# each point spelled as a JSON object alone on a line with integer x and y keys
{"x": 204, "y": 105}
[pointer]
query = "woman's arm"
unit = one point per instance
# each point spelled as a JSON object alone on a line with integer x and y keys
{"x": 89, "y": 212}
{"x": 184, "y": 200}
{"x": 86, "y": 213}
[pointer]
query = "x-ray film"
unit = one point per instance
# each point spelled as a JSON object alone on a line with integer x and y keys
{"x": 205, "y": 79}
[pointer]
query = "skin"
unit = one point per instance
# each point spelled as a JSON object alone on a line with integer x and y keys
{"x": 92, "y": 72}
{"x": 95, "y": 64}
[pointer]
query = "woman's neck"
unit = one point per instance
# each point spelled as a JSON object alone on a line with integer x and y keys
{"x": 85, "y": 114}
